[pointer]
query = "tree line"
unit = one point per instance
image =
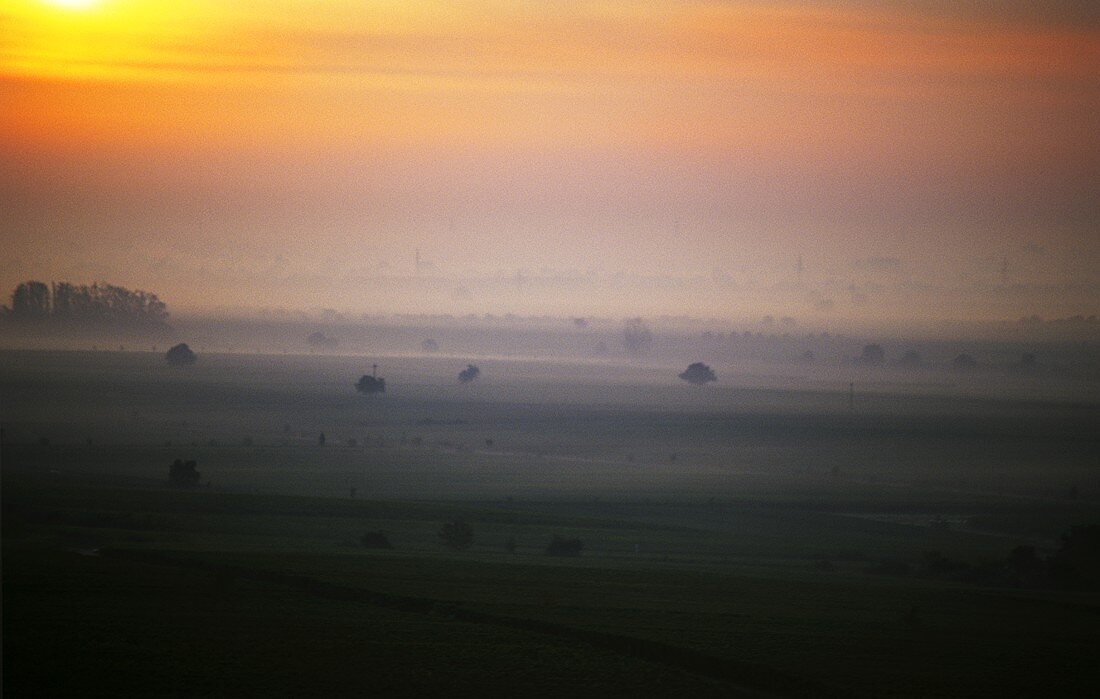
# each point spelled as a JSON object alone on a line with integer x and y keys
{"x": 96, "y": 303}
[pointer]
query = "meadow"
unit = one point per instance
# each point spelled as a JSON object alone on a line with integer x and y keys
{"x": 749, "y": 538}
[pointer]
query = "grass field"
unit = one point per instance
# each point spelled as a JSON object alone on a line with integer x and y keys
{"x": 737, "y": 542}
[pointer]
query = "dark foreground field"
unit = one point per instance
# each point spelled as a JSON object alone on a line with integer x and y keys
{"x": 735, "y": 542}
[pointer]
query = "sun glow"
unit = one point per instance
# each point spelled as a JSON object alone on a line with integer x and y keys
{"x": 73, "y": 4}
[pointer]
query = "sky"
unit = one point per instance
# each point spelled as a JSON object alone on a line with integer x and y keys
{"x": 299, "y": 153}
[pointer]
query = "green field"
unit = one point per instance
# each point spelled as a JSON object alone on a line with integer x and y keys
{"x": 737, "y": 541}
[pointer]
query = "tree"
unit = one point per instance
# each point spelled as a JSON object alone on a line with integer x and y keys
{"x": 699, "y": 374}
{"x": 370, "y": 384}
{"x": 182, "y": 474}
{"x": 376, "y": 540}
{"x": 564, "y": 547}
{"x": 637, "y": 339}
{"x": 98, "y": 303}
{"x": 31, "y": 301}
{"x": 181, "y": 354}
{"x": 468, "y": 374}
{"x": 1077, "y": 562}
{"x": 429, "y": 345}
{"x": 964, "y": 362}
{"x": 319, "y": 340}
{"x": 873, "y": 355}
{"x": 1025, "y": 564}
{"x": 457, "y": 534}
{"x": 911, "y": 358}
{"x": 1028, "y": 362}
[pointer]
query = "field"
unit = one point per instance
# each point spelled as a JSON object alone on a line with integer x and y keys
{"x": 750, "y": 538}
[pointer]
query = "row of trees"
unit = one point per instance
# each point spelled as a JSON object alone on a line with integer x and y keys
{"x": 1075, "y": 565}
{"x": 459, "y": 535}
{"x": 875, "y": 355}
{"x": 95, "y": 303}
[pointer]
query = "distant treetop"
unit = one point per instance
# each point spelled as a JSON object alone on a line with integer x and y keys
{"x": 180, "y": 354}
{"x": 319, "y": 340}
{"x": 183, "y": 474}
{"x": 873, "y": 355}
{"x": 637, "y": 339}
{"x": 468, "y": 374}
{"x": 698, "y": 374}
{"x": 964, "y": 362}
{"x": 370, "y": 384}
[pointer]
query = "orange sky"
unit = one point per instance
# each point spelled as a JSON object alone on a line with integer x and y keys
{"x": 151, "y": 139}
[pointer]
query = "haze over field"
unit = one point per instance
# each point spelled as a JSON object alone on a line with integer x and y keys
{"x": 609, "y": 348}
{"x": 834, "y": 162}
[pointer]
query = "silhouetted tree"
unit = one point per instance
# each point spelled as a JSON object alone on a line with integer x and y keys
{"x": 376, "y": 540}
{"x": 30, "y": 301}
{"x": 370, "y": 384}
{"x": 319, "y": 340}
{"x": 964, "y": 361}
{"x": 429, "y": 345}
{"x": 698, "y": 374}
{"x": 637, "y": 339}
{"x": 911, "y": 358}
{"x": 564, "y": 547}
{"x": 1025, "y": 563}
{"x": 1077, "y": 562}
{"x": 468, "y": 374}
{"x": 873, "y": 355}
{"x": 935, "y": 563}
{"x": 1028, "y": 362}
{"x": 182, "y": 474}
{"x": 457, "y": 534}
{"x": 180, "y": 354}
{"x": 97, "y": 303}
